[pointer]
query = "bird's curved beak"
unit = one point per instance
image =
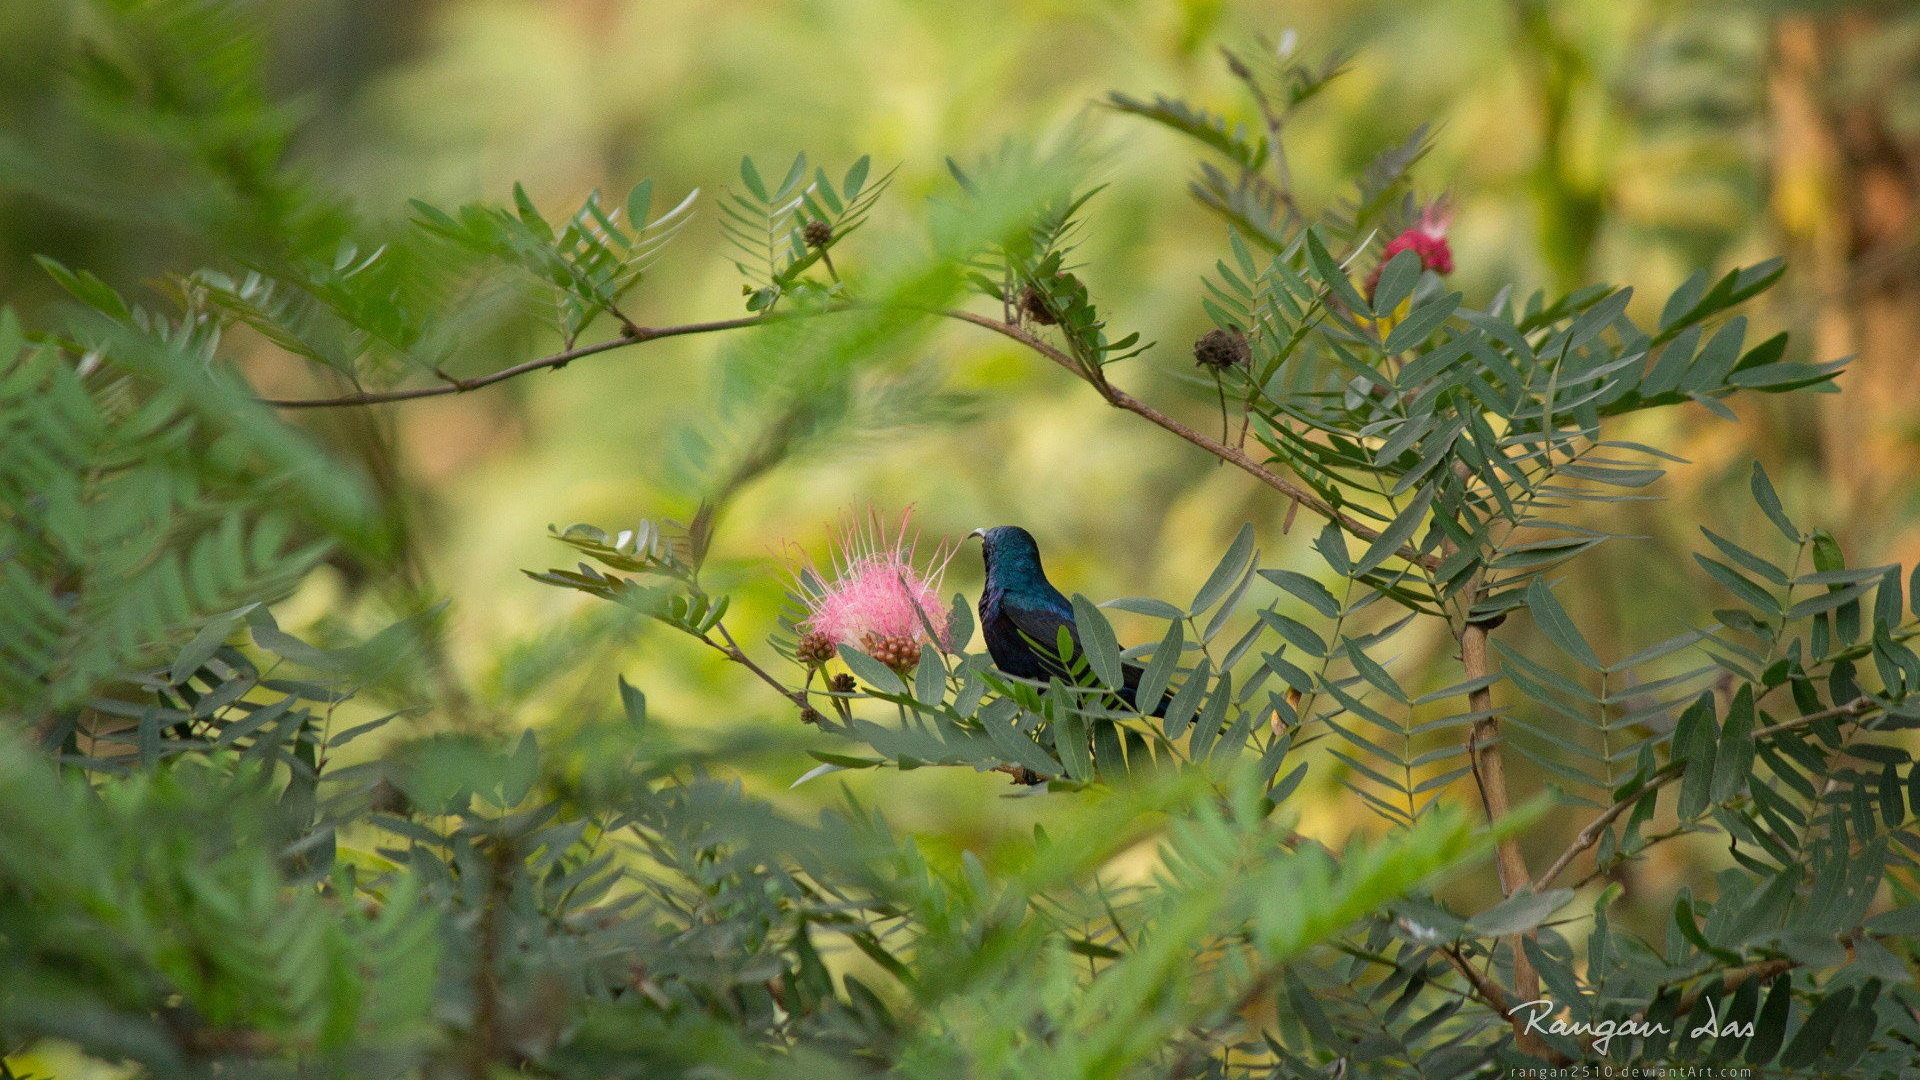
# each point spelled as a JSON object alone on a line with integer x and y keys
{"x": 977, "y": 533}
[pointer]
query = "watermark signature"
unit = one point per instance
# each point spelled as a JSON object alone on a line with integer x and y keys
{"x": 1600, "y": 1034}
{"x": 1627, "y": 1071}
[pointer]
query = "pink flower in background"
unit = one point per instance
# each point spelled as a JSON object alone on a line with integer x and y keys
{"x": 1427, "y": 239}
{"x": 873, "y": 597}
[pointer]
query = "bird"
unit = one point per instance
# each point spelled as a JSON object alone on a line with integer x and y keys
{"x": 1021, "y": 614}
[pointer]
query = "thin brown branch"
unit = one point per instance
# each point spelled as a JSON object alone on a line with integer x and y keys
{"x": 1484, "y": 988}
{"x": 1490, "y": 994}
{"x": 732, "y": 651}
{"x": 558, "y": 360}
{"x": 1089, "y": 373}
{"x": 1671, "y": 771}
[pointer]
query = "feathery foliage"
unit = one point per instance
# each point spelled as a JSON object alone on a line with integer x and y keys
{"x": 219, "y": 855}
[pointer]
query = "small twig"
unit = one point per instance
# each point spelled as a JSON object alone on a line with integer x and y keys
{"x": 732, "y": 651}
{"x": 1485, "y": 989}
{"x": 1275, "y": 121}
{"x": 458, "y": 385}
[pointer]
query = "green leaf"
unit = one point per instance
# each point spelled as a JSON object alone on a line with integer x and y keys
{"x": 1421, "y": 322}
{"x": 1524, "y": 910}
{"x": 1097, "y": 639}
{"x": 1147, "y": 605}
{"x": 845, "y": 761}
{"x": 1069, "y": 730}
{"x": 1017, "y": 747}
{"x": 1559, "y": 629}
{"x": 1398, "y": 532}
{"x": 1683, "y": 299}
{"x": 1332, "y": 276}
{"x": 1900, "y": 922}
{"x": 1159, "y": 671}
{"x": 827, "y": 198}
{"x": 930, "y": 678}
{"x": 1308, "y": 590}
{"x": 88, "y": 289}
{"x": 205, "y": 643}
{"x": 750, "y": 176}
{"x": 1232, "y": 566}
{"x": 633, "y": 703}
{"x": 1693, "y": 744}
{"x": 856, "y": 178}
{"x": 1770, "y": 1028}
{"x": 1753, "y": 563}
{"x": 872, "y": 672}
{"x": 1198, "y": 124}
{"x": 1397, "y": 279}
{"x": 1817, "y": 1030}
{"x": 1750, "y": 594}
{"x": 1733, "y": 758}
{"x": 1689, "y": 927}
{"x": 816, "y": 772}
{"x": 639, "y": 202}
{"x": 960, "y": 622}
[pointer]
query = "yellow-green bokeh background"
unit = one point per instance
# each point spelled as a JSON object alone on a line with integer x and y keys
{"x": 1627, "y": 141}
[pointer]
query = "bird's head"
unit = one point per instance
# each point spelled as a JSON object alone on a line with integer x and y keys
{"x": 1008, "y": 547}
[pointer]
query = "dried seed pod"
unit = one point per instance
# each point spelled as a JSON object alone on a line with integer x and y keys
{"x": 1035, "y": 307}
{"x": 1220, "y": 349}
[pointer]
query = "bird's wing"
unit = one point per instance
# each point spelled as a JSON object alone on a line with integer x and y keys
{"x": 1041, "y": 624}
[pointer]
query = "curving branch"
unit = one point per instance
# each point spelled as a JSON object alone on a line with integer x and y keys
{"x": 1119, "y": 399}
{"x": 631, "y": 335}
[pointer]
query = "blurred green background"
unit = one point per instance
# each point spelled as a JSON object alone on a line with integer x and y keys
{"x": 1628, "y": 141}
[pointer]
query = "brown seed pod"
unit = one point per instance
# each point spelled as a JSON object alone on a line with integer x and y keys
{"x": 898, "y": 653}
{"x": 817, "y": 234}
{"x": 813, "y": 649}
{"x": 1035, "y": 307}
{"x": 1221, "y": 349}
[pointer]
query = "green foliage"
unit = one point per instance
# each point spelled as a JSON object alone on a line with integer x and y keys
{"x": 140, "y": 501}
{"x": 781, "y": 231}
{"x": 588, "y": 263}
{"x": 208, "y": 864}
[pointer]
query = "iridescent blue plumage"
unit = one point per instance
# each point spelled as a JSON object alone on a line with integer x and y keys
{"x": 1021, "y": 613}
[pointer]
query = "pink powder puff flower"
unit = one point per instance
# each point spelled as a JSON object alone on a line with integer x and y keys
{"x": 1427, "y": 239}
{"x": 873, "y": 597}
